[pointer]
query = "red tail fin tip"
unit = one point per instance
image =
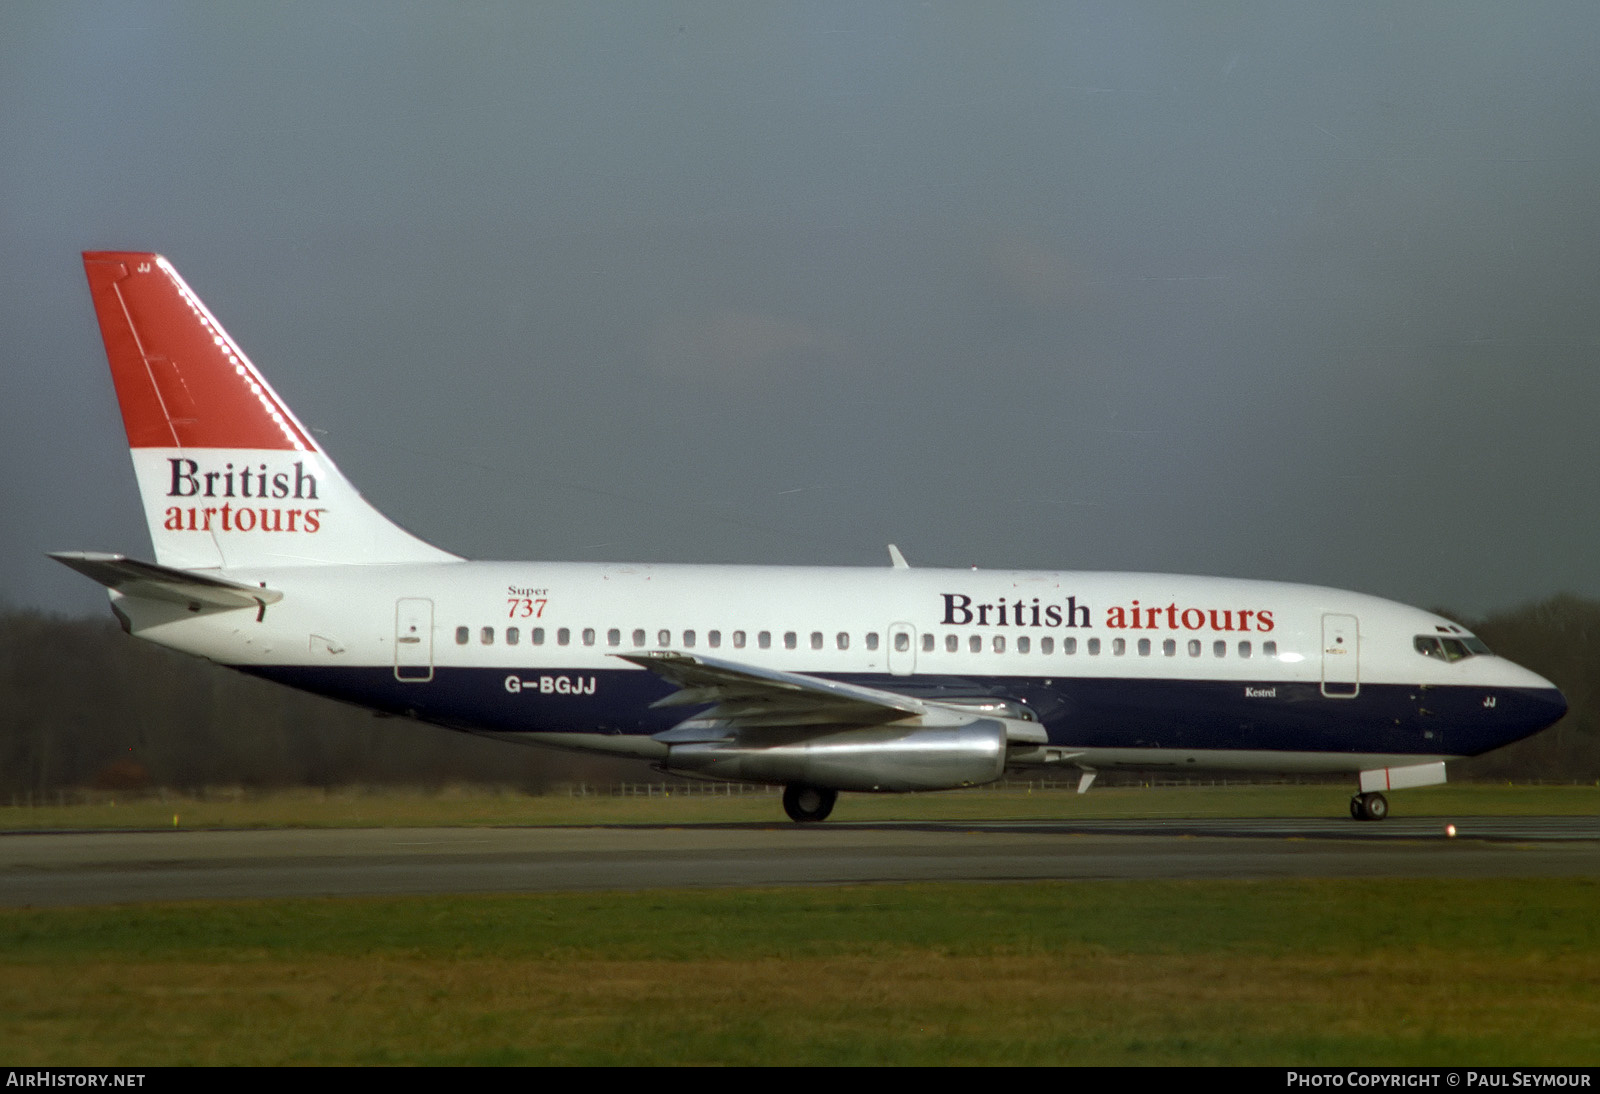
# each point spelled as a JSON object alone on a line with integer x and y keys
{"x": 181, "y": 380}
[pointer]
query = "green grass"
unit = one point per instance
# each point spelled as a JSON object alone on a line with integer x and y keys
{"x": 396, "y": 808}
{"x": 1434, "y": 972}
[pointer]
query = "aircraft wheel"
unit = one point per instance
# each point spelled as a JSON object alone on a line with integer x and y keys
{"x": 808, "y": 803}
{"x": 1374, "y": 807}
{"x": 1356, "y": 810}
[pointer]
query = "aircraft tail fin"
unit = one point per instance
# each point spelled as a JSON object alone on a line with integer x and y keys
{"x": 228, "y": 475}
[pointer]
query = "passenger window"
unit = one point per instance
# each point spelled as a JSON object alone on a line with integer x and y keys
{"x": 688, "y": 640}
{"x": 1094, "y": 647}
{"x": 538, "y": 636}
{"x": 975, "y": 643}
{"x": 486, "y": 636}
{"x": 638, "y": 636}
{"x": 927, "y": 643}
{"x": 1194, "y": 647}
{"x": 790, "y": 640}
{"x": 563, "y": 636}
{"x": 1169, "y": 647}
{"x": 713, "y": 639}
{"x": 1219, "y": 648}
{"x": 1070, "y": 646}
{"x": 816, "y": 640}
{"x": 842, "y": 640}
{"x": 952, "y": 643}
{"x": 1144, "y": 647}
{"x": 902, "y": 642}
{"x": 513, "y": 636}
{"x": 1119, "y": 646}
{"x": 872, "y": 640}
{"x": 999, "y": 643}
{"x": 1022, "y": 645}
{"x": 588, "y": 636}
{"x": 613, "y": 637}
{"x": 1269, "y": 649}
{"x": 738, "y": 640}
{"x": 462, "y": 634}
{"x": 663, "y": 639}
{"x": 1047, "y": 646}
{"x": 1244, "y": 650}
{"x": 764, "y": 640}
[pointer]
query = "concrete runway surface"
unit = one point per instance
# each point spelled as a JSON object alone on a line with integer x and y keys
{"x": 68, "y": 868}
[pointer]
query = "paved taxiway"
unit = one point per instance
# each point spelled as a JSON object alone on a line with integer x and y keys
{"x": 45, "y": 869}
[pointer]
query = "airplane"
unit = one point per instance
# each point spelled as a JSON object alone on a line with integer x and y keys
{"x": 816, "y": 679}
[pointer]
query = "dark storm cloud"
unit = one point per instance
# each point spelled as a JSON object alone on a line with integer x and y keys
{"x": 1250, "y": 289}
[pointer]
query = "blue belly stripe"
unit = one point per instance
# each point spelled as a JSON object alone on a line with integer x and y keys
{"x": 1078, "y": 712}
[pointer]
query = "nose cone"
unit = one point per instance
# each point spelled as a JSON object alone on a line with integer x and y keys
{"x": 1555, "y": 704}
{"x": 1540, "y": 703}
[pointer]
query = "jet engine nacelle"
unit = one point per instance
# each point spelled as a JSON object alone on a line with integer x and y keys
{"x": 889, "y": 758}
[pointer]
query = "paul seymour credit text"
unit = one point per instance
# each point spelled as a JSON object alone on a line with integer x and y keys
{"x": 1464, "y": 1078}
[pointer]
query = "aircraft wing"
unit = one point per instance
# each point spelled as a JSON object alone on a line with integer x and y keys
{"x": 745, "y": 698}
{"x": 131, "y": 577}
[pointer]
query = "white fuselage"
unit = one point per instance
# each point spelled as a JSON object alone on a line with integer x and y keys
{"x": 1120, "y": 668}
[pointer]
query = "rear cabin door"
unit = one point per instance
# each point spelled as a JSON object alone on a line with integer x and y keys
{"x": 1341, "y": 656}
{"x": 413, "y": 639}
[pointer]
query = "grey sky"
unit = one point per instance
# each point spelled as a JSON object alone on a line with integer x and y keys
{"x": 1288, "y": 291}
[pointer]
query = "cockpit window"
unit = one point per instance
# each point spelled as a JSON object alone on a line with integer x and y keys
{"x": 1449, "y": 649}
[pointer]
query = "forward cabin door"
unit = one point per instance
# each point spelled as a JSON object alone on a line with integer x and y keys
{"x": 1341, "y": 657}
{"x": 413, "y": 639}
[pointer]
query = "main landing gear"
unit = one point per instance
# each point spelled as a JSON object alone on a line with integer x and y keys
{"x": 1369, "y": 807}
{"x": 808, "y": 803}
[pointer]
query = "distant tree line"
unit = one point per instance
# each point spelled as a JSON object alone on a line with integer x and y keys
{"x": 84, "y": 706}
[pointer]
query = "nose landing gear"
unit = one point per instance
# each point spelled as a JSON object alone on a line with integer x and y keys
{"x": 1372, "y": 807}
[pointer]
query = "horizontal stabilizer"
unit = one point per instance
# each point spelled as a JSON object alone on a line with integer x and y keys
{"x": 148, "y": 581}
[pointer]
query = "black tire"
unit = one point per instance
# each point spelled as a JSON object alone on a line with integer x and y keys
{"x": 806, "y": 804}
{"x": 1374, "y": 806}
{"x": 1358, "y": 810}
